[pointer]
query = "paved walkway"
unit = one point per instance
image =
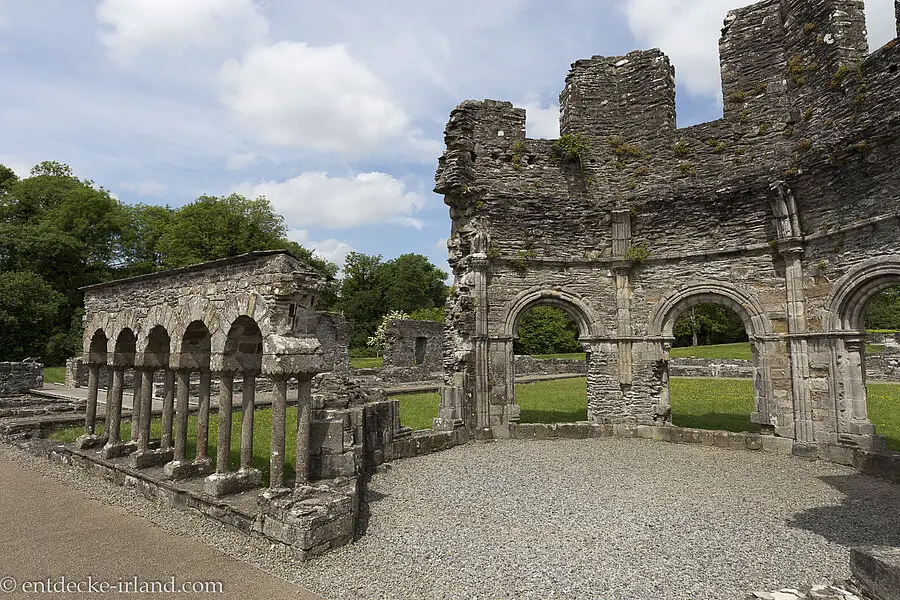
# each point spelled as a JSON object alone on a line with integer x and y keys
{"x": 50, "y": 530}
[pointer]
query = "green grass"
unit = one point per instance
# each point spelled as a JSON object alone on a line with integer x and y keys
{"x": 739, "y": 350}
{"x": 417, "y": 411}
{"x": 261, "y": 439}
{"x": 366, "y": 363}
{"x": 55, "y": 374}
{"x": 721, "y": 404}
{"x": 884, "y": 411}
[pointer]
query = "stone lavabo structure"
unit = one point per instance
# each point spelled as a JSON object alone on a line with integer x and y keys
{"x": 785, "y": 210}
{"x": 251, "y": 316}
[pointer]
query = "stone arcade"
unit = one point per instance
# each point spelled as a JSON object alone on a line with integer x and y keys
{"x": 785, "y": 210}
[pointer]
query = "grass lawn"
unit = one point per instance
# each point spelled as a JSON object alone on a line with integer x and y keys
{"x": 55, "y": 374}
{"x": 261, "y": 440}
{"x": 366, "y": 363}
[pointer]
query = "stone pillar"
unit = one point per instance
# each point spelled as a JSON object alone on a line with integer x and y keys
{"x": 137, "y": 389}
{"x": 90, "y": 439}
{"x": 248, "y": 406}
{"x": 276, "y": 456}
{"x": 203, "y": 418}
{"x": 143, "y": 440}
{"x": 181, "y": 415}
{"x": 168, "y": 411}
{"x": 223, "y": 446}
{"x": 114, "y": 406}
{"x": 304, "y": 408}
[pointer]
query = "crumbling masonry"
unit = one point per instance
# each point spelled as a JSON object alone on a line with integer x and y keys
{"x": 785, "y": 210}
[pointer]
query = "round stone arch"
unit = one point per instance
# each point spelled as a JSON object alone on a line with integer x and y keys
{"x": 670, "y": 307}
{"x": 843, "y": 318}
{"x": 758, "y": 326}
{"x": 587, "y": 319}
{"x": 846, "y": 304}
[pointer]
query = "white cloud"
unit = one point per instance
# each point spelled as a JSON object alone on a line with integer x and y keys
{"x": 880, "y": 22}
{"x": 131, "y": 27}
{"x": 146, "y": 188}
{"x": 541, "y": 122}
{"x": 688, "y": 31}
{"x": 240, "y": 161}
{"x": 315, "y": 199}
{"x": 316, "y": 98}
{"x": 330, "y": 249}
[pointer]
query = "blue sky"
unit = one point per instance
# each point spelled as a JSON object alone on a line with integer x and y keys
{"x": 333, "y": 110}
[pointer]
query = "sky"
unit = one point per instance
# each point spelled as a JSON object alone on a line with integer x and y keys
{"x": 333, "y": 110}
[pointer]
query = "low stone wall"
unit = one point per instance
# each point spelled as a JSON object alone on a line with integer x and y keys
{"x": 711, "y": 367}
{"x": 16, "y": 378}
{"x": 527, "y": 365}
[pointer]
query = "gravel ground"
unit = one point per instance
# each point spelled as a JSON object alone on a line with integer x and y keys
{"x": 606, "y": 518}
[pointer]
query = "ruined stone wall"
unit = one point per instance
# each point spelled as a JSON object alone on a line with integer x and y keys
{"x": 18, "y": 377}
{"x": 785, "y": 210}
{"x": 412, "y": 343}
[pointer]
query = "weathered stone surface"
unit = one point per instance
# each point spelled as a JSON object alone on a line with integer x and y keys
{"x": 413, "y": 343}
{"x": 17, "y": 378}
{"x": 785, "y": 210}
{"x": 878, "y": 571}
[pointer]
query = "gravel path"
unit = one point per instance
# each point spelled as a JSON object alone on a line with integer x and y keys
{"x": 606, "y": 518}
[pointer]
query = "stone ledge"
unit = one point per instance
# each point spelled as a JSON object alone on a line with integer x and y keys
{"x": 877, "y": 568}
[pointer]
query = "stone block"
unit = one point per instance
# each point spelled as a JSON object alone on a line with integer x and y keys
{"x": 877, "y": 569}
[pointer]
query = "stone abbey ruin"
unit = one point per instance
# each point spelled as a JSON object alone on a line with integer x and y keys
{"x": 785, "y": 210}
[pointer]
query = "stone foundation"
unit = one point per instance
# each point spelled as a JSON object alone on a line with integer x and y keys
{"x": 16, "y": 378}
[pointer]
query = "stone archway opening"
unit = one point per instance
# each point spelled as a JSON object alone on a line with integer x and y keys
{"x": 716, "y": 372}
{"x": 549, "y": 363}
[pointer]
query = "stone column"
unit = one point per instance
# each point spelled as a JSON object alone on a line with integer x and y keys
{"x": 114, "y": 406}
{"x": 90, "y": 415}
{"x": 168, "y": 411}
{"x": 223, "y": 446}
{"x": 203, "y": 418}
{"x": 89, "y": 439}
{"x": 304, "y": 408}
{"x": 181, "y": 415}
{"x": 143, "y": 439}
{"x": 137, "y": 388}
{"x": 276, "y": 456}
{"x": 248, "y": 406}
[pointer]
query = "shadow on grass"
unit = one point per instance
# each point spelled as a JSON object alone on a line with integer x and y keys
{"x": 552, "y": 416}
{"x": 716, "y": 421}
{"x": 869, "y": 513}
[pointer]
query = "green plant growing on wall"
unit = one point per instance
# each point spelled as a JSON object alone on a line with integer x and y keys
{"x": 637, "y": 253}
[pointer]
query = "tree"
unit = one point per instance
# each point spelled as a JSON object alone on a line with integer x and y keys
{"x": 211, "y": 228}
{"x": 29, "y": 308}
{"x": 708, "y": 323}
{"x": 547, "y": 330}
{"x": 883, "y": 311}
{"x": 372, "y": 288}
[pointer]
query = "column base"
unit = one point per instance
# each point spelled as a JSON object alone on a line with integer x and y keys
{"x": 185, "y": 469}
{"x": 151, "y": 458}
{"x": 87, "y": 441}
{"x": 117, "y": 450}
{"x": 225, "y": 484}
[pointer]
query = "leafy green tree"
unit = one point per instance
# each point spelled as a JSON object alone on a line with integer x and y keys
{"x": 371, "y": 288}
{"x": 211, "y": 228}
{"x": 708, "y": 323}
{"x": 29, "y": 308}
{"x": 883, "y": 311}
{"x": 547, "y": 330}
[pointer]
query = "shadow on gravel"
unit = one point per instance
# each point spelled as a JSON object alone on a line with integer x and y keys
{"x": 366, "y": 498}
{"x": 869, "y": 513}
